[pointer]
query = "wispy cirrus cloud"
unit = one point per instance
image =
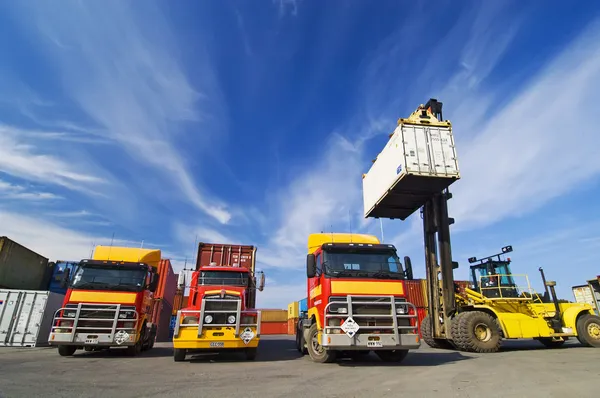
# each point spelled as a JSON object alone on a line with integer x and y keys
{"x": 284, "y": 5}
{"x": 9, "y": 191}
{"x": 121, "y": 69}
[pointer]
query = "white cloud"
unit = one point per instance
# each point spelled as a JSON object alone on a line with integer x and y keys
{"x": 19, "y": 192}
{"x": 282, "y": 5}
{"x": 279, "y": 295}
{"x": 534, "y": 150}
{"x": 121, "y": 68}
{"x": 21, "y": 158}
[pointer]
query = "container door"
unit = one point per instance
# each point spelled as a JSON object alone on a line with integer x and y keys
{"x": 9, "y": 301}
{"x": 29, "y": 318}
{"x": 443, "y": 156}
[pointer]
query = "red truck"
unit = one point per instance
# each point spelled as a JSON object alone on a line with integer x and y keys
{"x": 221, "y": 314}
{"x": 110, "y": 301}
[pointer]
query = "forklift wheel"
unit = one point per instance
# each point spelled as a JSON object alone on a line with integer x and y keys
{"x": 427, "y": 335}
{"x": 476, "y": 331}
{"x": 588, "y": 330}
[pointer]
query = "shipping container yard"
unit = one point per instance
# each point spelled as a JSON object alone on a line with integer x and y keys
{"x": 111, "y": 320}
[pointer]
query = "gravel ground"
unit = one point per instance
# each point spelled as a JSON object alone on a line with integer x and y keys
{"x": 522, "y": 369}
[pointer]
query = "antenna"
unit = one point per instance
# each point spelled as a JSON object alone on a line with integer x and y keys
{"x": 331, "y": 232}
{"x": 195, "y": 250}
{"x": 350, "y": 222}
{"x": 110, "y": 247}
{"x": 185, "y": 263}
{"x": 92, "y": 250}
{"x": 140, "y": 252}
{"x": 381, "y": 227}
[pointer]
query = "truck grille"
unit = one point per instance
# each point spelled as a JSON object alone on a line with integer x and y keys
{"x": 220, "y": 308}
{"x": 97, "y": 318}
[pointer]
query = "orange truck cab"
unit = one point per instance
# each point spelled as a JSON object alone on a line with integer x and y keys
{"x": 356, "y": 300}
{"x": 108, "y": 302}
{"x": 221, "y": 314}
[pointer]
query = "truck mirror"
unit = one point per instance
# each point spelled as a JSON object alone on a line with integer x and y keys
{"x": 261, "y": 283}
{"x": 408, "y": 273}
{"x": 64, "y": 282}
{"x": 454, "y": 264}
{"x": 153, "y": 283}
{"x": 311, "y": 266}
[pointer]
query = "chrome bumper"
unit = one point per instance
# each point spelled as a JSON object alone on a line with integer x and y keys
{"x": 90, "y": 340}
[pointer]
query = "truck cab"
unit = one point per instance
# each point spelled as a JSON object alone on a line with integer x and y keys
{"x": 108, "y": 303}
{"x": 356, "y": 299}
{"x": 220, "y": 315}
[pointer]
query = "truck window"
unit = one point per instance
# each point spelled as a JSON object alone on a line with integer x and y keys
{"x": 319, "y": 263}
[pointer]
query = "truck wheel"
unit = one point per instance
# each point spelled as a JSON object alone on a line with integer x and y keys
{"x": 476, "y": 331}
{"x": 550, "y": 343}
{"x": 427, "y": 335}
{"x": 392, "y": 355}
{"x": 137, "y": 348}
{"x": 179, "y": 354}
{"x": 251, "y": 354}
{"x": 588, "y": 330}
{"x": 66, "y": 350}
{"x": 317, "y": 352}
{"x": 300, "y": 342}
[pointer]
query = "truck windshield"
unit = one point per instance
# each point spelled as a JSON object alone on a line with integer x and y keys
{"x": 109, "y": 278}
{"x": 367, "y": 263}
{"x": 224, "y": 278}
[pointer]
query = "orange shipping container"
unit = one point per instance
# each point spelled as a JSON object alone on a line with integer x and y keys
{"x": 274, "y": 327}
{"x": 177, "y": 302}
{"x": 292, "y": 326}
{"x": 421, "y": 313}
{"x": 167, "y": 285}
{"x": 415, "y": 293}
{"x": 270, "y": 315}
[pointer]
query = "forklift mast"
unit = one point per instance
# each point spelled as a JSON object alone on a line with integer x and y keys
{"x": 442, "y": 300}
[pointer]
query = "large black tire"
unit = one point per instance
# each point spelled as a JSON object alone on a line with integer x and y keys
{"x": 179, "y": 354}
{"x": 392, "y": 355}
{"x": 316, "y": 352}
{"x": 550, "y": 343}
{"x": 137, "y": 348}
{"x": 427, "y": 335}
{"x": 66, "y": 350}
{"x": 149, "y": 342}
{"x": 588, "y": 330}
{"x": 476, "y": 331}
{"x": 300, "y": 342}
{"x": 250, "y": 354}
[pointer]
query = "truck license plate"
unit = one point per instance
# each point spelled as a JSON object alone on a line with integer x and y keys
{"x": 374, "y": 344}
{"x": 217, "y": 344}
{"x": 91, "y": 341}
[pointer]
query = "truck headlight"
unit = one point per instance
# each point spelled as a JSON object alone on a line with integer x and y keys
{"x": 69, "y": 314}
{"x": 231, "y": 319}
{"x": 187, "y": 320}
{"x": 342, "y": 310}
{"x": 126, "y": 314}
{"x": 208, "y": 319}
{"x": 401, "y": 309}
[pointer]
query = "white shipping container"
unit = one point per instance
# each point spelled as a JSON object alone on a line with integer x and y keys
{"x": 26, "y": 316}
{"x": 418, "y": 161}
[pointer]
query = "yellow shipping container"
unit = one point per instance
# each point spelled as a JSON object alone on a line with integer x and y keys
{"x": 293, "y": 310}
{"x": 274, "y": 315}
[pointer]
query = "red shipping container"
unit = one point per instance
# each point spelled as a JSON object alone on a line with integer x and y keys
{"x": 167, "y": 285}
{"x": 421, "y": 314}
{"x": 414, "y": 293}
{"x": 273, "y": 327}
{"x": 177, "y": 302}
{"x": 162, "y": 318}
{"x": 292, "y": 326}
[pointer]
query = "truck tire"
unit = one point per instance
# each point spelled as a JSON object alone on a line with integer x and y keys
{"x": 588, "y": 330}
{"x": 476, "y": 331}
{"x": 427, "y": 335}
{"x": 392, "y": 355}
{"x": 300, "y": 342}
{"x": 66, "y": 350}
{"x": 317, "y": 352}
{"x": 137, "y": 348}
{"x": 250, "y": 354}
{"x": 179, "y": 354}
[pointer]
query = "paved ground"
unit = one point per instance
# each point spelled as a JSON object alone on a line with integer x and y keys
{"x": 524, "y": 369}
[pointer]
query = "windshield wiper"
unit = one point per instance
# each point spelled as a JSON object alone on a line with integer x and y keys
{"x": 385, "y": 274}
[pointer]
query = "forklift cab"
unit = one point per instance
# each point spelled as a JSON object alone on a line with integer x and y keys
{"x": 492, "y": 276}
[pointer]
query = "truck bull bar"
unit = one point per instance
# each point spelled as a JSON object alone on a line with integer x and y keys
{"x": 103, "y": 328}
{"x": 203, "y": 312}
{"x": 351, "y": 303}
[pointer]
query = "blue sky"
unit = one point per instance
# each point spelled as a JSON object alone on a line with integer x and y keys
{"x": 253, "y": 121}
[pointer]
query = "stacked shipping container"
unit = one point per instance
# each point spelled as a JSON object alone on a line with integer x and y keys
{"x": 273, "y": 321}
{"x": 164, "y": 299}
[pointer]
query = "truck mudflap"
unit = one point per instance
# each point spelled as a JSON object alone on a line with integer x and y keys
{"x": 370, "y": 322}
{"x": 201, "y": 329}
{"x": 95, "y": 325}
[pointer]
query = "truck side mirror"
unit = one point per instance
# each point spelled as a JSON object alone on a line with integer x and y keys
{"x": 408, "y": 273}
{"x": 64, "y": 282}
{"x": 311, "y": 266}
{"x": 153, "y": 283}
{"x": 261, "y": 283}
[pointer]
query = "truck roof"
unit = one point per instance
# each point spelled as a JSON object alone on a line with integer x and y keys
{"x": 316, "y": 241}
{"x": 224, "y": 268}
{"x": 128, "y": 254}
